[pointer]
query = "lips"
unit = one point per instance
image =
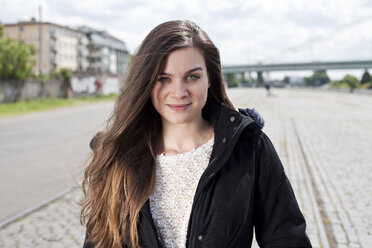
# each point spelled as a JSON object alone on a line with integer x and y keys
{"x": 178, "y": 107}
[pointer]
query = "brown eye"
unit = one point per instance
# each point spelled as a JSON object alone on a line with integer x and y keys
{"x": 163, "y": 79}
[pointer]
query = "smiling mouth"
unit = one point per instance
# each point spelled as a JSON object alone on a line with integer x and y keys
{"x": 178, "y": 107}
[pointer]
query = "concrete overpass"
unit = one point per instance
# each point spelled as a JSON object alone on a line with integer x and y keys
{"x": 335, "y": 65}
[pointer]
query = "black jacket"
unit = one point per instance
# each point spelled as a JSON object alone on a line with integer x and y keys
{"x": 243, "y": 186}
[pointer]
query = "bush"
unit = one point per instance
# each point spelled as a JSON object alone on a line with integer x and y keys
{"x": 66, "y": 75}
{"x": 338, "y": 84}
{"x": 367, "y": 85}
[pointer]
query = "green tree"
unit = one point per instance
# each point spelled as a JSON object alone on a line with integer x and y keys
{"x": 318, "y": 78}
{"x": 351, "y": 81}
{"x": 366, "y": 77}
{"x": 15, "y": 58}
{"x": 287, "y": 80}
{"x": 66, "y": 75}
{"x": 232, "y": 80}
{"x": 244, "y": 79}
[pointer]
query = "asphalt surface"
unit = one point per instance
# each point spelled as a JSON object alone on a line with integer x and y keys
{"x": 42, "y": 154}
{"x": 324, "y": 140}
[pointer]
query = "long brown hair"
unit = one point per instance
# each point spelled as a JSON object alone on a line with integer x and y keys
{"x": 120, "y": 177}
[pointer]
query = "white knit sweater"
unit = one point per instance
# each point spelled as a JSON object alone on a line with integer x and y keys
{"x": 176, "y": 179}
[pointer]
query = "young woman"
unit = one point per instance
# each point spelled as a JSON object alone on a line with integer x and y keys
{"x": 178, "y": 166}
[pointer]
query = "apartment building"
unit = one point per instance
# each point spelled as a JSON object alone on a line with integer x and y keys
{"x": 61, "y": 46}
{"x": 80, "y": 50}
{"x": 107, "y": 53}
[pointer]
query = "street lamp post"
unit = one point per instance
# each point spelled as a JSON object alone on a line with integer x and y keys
{"x": 40, "y": 42}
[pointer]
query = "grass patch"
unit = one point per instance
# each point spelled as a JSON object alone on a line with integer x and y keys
{"x": 43, "y": 104}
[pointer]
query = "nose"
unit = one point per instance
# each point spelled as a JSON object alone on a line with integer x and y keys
{"x": 179, "y": 89}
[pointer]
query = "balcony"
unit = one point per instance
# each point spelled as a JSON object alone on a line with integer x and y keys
{"x": 53, "y": 36}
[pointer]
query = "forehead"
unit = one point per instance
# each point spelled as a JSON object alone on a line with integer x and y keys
{"x": 184, "y": 59}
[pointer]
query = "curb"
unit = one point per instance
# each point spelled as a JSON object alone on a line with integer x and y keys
{"x": 35, "y": 207}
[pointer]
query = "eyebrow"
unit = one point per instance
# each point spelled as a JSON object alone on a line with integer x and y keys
{"x": 189, "y": 71}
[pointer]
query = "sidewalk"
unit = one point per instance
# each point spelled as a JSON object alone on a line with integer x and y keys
{"x": 55, "y": 225}
{"x": 323, "y": 141}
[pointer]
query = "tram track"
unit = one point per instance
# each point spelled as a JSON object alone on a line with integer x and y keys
{"x": 325, "y": 231}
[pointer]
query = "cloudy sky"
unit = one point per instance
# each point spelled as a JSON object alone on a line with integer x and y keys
{"x": 245, "y": 31}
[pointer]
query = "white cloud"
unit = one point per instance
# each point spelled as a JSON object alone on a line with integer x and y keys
{"x": 245, "y": 31}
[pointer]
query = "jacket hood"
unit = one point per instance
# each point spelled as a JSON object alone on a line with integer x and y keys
{"x": 252, "y": 113}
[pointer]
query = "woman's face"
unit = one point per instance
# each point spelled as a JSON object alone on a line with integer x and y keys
{"x": 181, "y": 89}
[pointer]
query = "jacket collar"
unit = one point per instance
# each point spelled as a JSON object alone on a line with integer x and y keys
{"x": 228, "y": 126}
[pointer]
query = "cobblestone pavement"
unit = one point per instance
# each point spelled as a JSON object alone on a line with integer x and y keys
{"x": 54, "y": 226}
{"x": 324, "y": 140}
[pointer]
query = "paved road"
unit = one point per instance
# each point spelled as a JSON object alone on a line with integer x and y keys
{"x": 41, "y": 154}
{"x": 324, "y": 140}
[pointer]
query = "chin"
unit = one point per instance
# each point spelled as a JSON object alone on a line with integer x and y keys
{"x": 179, "y": 121}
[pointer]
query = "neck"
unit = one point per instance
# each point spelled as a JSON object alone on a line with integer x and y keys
{"x": 180, "y": 138}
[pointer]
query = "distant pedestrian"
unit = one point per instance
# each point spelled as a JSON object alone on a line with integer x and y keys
{"x": 268, "y": 89}
{"x": 178, "y": 166}
{"x": 98, "y": 86}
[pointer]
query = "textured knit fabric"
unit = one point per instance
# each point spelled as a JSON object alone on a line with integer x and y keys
{"x": 177, "y": 177}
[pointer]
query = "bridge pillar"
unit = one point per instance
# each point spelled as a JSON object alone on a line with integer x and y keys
{"x": 250, "y": 78}
{"x": 260, "y": 79}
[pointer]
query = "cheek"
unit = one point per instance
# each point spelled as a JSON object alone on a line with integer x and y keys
{"x": 201, "y": 94}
